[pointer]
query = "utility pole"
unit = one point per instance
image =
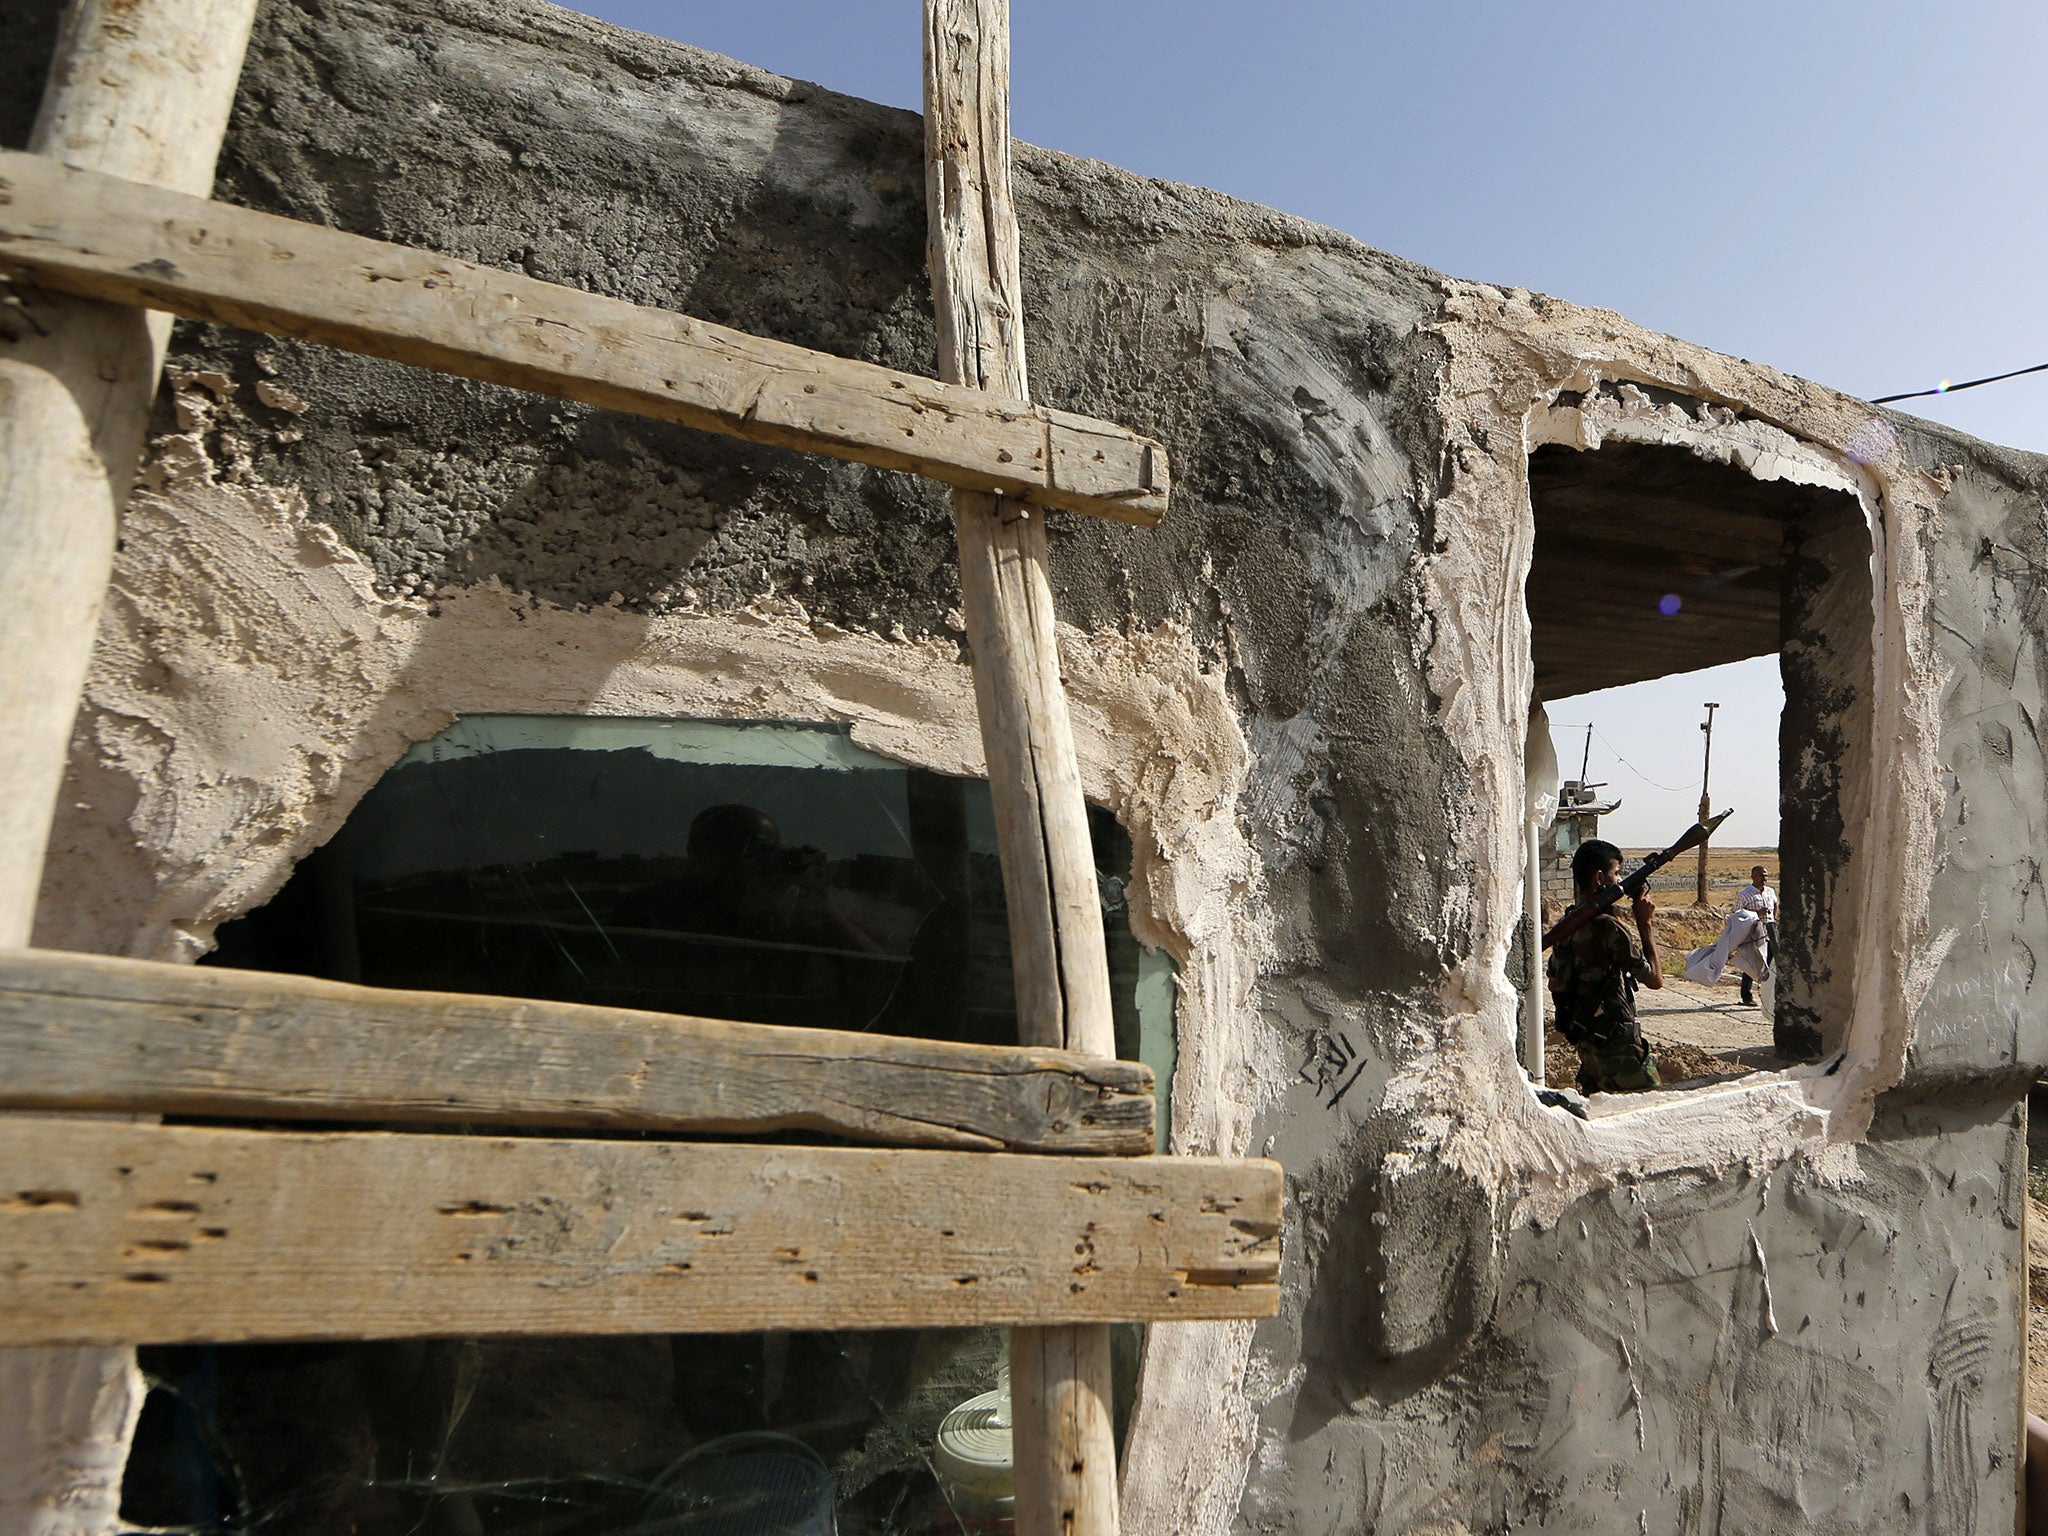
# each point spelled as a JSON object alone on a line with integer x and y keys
{"x": 1706, "y": 806}
{"x": 1586, "y": 759}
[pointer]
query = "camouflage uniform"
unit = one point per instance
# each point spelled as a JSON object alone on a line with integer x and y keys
{"x": 1593, "y": 976}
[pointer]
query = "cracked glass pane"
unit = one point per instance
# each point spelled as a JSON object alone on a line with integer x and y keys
{"x": 772, "y": 873}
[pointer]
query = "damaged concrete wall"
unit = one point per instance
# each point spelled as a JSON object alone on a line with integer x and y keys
{"x": 1789, "y": 1303}
{"x": 1824, "y": 744}
{"x": 1988, "y": 911}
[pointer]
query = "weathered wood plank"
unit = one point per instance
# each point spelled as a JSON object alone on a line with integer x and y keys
{"x": 1056, "y": 944}
{"x": 1065, "y": 1445}
{"x": 82, "y": 1032}
{"x": 113, "y": 1232}
{"x": 97, "y": 236}
{"x": 141, "y": 89}
{"x": 1063, "y": 1430}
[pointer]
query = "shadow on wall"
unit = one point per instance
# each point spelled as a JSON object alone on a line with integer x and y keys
{"x": 768, "y": 224}
{"x": 1420, "y": 1248}
{"x": 437, "y": 481}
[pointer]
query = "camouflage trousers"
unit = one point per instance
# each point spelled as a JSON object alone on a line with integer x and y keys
{"x": 1616, "y": 1060}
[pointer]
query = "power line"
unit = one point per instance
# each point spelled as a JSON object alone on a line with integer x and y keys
{"x": 1669, "y": 789}
{"x": 1946, "y": 388}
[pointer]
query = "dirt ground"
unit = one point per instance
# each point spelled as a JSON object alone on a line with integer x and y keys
{"x": 1699, "y": 1035}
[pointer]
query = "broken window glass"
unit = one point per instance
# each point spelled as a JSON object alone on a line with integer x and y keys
{"x": 772, "y": 873}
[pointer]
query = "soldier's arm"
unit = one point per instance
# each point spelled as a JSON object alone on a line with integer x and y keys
{"x": 1651, "y": 974}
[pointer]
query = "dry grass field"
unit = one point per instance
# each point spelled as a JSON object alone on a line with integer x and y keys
{"x": 1727, "y": 873}
{"x": 1681, "y": 926}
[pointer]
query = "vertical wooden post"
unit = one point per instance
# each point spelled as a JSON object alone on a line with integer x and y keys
{"x": 141, "y": 89}
{"x": 1062, "y": 969}
{"x": 1059, "y": 1377}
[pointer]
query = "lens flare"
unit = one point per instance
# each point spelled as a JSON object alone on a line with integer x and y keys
{"x": 1668, "y": 604}
{"x": 1872, "y": 442}
{"x": 1944, "y": 386}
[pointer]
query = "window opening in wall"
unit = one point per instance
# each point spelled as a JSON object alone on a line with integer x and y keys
{"x": 1661, "y": 581}
{"x": 772, "y": 873}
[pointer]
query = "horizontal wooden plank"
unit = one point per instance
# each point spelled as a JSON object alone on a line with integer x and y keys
{"x": 86, "y": 1032}
{"x": 100, "y": 237}
{"x": 114, "y": 1232}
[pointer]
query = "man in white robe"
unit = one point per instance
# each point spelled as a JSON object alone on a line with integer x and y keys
{"x": 1758, "y": 897}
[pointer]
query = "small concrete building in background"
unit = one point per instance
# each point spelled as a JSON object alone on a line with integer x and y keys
{"x": 1579, "y": 810}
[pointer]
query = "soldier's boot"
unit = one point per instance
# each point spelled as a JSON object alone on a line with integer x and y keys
{"x": 1589, "y": 1071}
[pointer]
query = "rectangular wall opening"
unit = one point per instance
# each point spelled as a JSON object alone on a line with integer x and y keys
{"x": 1652, "y": 562}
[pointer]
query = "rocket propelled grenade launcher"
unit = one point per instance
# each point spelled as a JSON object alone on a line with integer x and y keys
{"x": 1632, "y": 884}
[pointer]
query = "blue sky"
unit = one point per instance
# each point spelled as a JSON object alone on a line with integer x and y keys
{"x": 1857, "y": 193}
{"x": 1647, "y": 748}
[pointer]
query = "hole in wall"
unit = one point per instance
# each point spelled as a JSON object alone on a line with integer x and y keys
{"x": 1656, "y": 575}
{"x": 771, "y": 873}
{"x": 777, "y": 874}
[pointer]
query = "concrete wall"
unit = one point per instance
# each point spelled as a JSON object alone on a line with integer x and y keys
{"x": 1788, "y": 1304}
{"x": 1824, "y": 769}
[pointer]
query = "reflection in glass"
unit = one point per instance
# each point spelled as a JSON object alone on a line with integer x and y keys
{"x": 778, "y": 874}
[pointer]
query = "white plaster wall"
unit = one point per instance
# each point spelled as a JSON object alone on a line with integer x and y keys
{"x": 1686, "y": 1311}
{"x": 250, "y": 686}
{"x": 1512, "y": 353}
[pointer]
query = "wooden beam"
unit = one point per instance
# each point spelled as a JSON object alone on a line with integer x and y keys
{"x": 1062, "y": 972}
{"x": 1063, "y": 1431}
{"x": 139, "y": 89}
{"x": 81, "y": 233}
{"x": 57, "y": 514}
{"x": 1061, "y": 966}
{"x": 82, "y": 1032}
{"x": 114, "y": 1232}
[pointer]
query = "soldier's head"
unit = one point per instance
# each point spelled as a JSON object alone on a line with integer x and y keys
{"x": 1595, "y": 864}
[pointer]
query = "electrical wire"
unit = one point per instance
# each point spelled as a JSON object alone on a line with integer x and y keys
{"x": 1946, "y": 388}
{"x": 1669, "y": 789}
